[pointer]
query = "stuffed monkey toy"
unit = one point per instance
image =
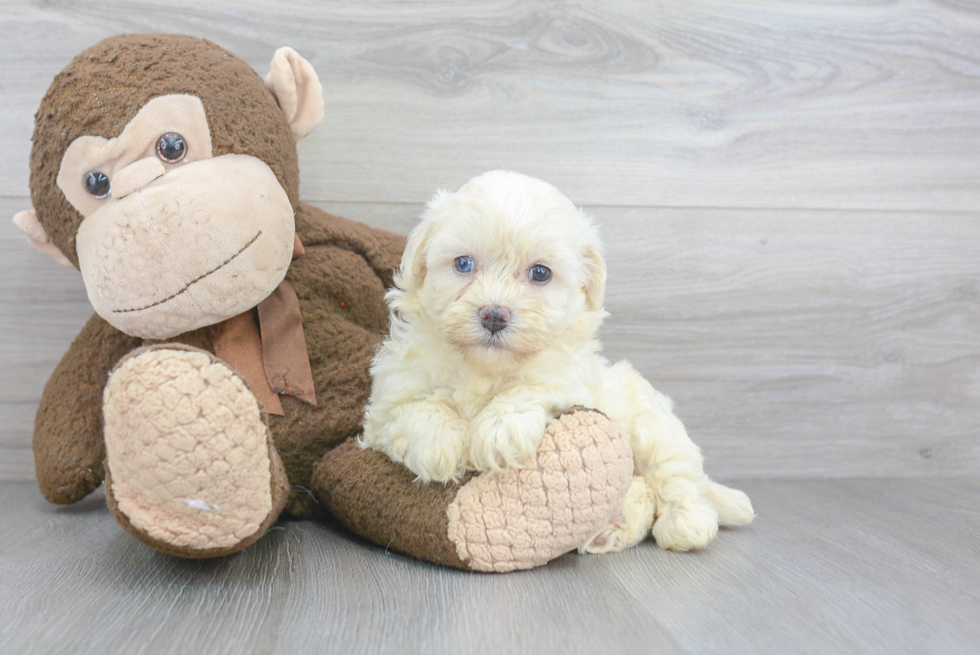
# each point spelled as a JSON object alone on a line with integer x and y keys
{"x": 221, "y": 382}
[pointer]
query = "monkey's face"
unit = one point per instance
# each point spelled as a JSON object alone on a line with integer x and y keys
{"x": 174, "y": 239}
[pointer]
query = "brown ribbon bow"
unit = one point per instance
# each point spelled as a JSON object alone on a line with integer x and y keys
{"x": 267, "y": 346}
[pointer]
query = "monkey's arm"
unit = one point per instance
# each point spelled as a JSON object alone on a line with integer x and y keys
{"x": 516, "y": 519}
{"x": 68, "y": 446}
{"x": 381, "y": 249}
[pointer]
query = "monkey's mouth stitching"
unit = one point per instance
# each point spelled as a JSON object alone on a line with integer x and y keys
{"x": 195, "y": 280}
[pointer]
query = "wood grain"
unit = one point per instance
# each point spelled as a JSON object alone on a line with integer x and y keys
{"x": 797, "y": 343}
{"x": 883, "y": 566}
{"x": 800, "y": 343}
{"x": 868, "y": 105}
{"x": 806, "y": 343}
{"x": 788, "y": 194}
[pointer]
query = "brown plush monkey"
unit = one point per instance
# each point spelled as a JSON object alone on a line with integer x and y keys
{"x": 228, "y": 357}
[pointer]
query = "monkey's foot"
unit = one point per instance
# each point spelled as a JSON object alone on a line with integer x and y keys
{"x": 517, "y": 519}
{"x": 190, "y": 465}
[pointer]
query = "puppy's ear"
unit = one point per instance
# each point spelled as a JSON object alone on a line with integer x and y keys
{"x": 595, "y": 284}
{"x": 595, "y": 267}
{"x": 412, "y": 271}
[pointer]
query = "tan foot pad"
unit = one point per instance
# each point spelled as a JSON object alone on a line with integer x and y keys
{"x": 525, "y": 518}
{"x": 188, "y": 460}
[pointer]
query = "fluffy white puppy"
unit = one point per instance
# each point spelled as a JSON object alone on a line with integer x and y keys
{"x": 493, "y": 332}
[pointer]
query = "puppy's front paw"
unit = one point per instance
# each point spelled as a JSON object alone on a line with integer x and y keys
{"x": 502, "y": 438}
{"x": 686, "y": 527}
{"x": 439, "y": 454}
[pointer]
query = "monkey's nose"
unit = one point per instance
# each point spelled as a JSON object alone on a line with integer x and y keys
{"x": 494, "y": 318}
{"x": 136, "y": 176}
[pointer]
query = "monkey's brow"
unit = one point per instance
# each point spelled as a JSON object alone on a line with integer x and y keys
{"x": 194, "y": 281}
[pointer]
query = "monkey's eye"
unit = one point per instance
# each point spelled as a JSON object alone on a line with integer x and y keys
{"x": 171, "y": 147}
{"x": 97, "y": 184}
{"x": 539, "y": 273}
{"x": 463, "y": 264}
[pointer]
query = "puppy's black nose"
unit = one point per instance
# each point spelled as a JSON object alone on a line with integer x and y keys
{"x": 494, "y": 318}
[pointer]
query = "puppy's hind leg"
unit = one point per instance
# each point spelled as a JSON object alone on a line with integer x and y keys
{"x": 685, "y": 516}
{"x": 630, "y": 525}
{"x": 733, "y": 506}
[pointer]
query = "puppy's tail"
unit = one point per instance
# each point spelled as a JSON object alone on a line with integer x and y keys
{"x": 734, "y": 507}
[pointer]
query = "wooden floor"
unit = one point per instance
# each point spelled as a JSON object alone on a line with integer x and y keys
{"x": 846, "y": 566}
{"x": 789, "y": 192}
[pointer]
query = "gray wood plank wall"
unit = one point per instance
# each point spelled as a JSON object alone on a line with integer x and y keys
{"x": 788, "y": 192}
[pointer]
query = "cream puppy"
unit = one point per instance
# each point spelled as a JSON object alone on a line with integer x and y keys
{"x": 493, "y": 333}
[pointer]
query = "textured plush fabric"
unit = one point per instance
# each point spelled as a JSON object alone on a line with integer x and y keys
{"x": 149, "y": 420}
{"x": 114, "y": 157}
{"x": 503, "y": 522}
{"x": 68, "y": 445}
{"x": 188, "y": 450}
{"x": 189, "y": 250}
{"x": 525, "y": 518}
{"x": 199, "y": 553}
{"x": 103, "y": 87}
{"x": 340, "y": 284}
{"x": 298, "y": 89}
{"x": 26, "y": 221}
{"x": 380, "y": 501}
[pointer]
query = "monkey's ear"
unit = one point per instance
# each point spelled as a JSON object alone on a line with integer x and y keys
{"x": 26, "y": 221}
{"x": 297, "y": 88}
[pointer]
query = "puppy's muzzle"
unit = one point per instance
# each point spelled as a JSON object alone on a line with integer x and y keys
{"x": 494, "y": 318}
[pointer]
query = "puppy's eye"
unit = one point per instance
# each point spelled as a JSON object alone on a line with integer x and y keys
{"x": 540, "y": 273}
{"x": 463, "y": 264}
{"x": 171, "y": 147}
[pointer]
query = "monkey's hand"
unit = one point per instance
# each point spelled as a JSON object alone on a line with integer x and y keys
{"x": 68, "y": 445}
